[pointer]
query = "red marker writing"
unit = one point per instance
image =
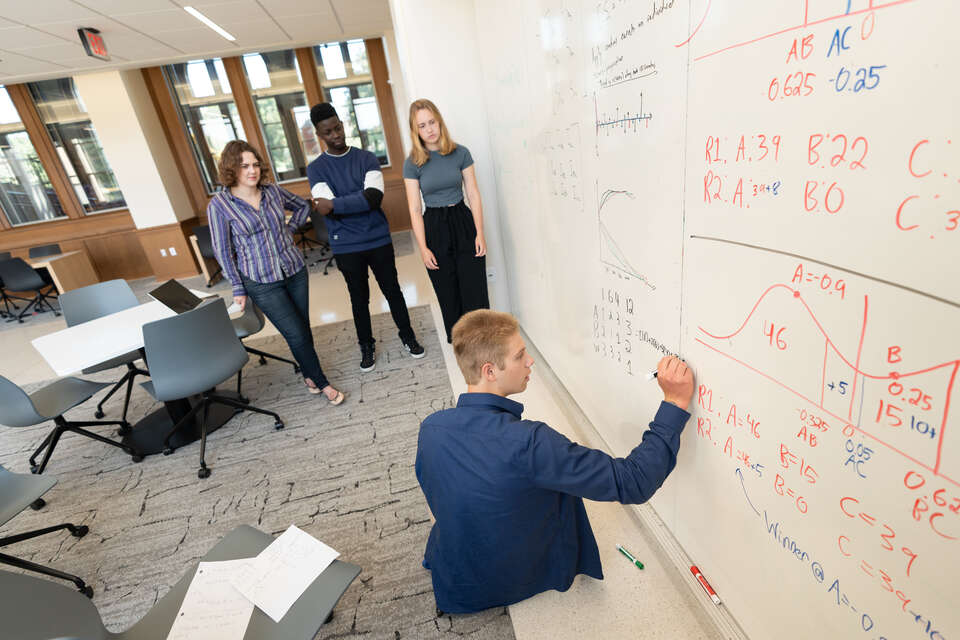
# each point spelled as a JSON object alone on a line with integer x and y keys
{"x": 706, "y": 585}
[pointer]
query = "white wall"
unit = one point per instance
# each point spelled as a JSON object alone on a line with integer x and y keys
{"x": 401, "y": 101}
{"x": 122, "y": 112}
{"x": 439, "y": 55}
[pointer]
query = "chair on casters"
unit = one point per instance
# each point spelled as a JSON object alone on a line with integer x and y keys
{"x": 323, "y": 238}
{"x": 205, "y": 244}
{"x": 18, "y": 409}
{"x": 17, "y": 275}
{"x": 251, "y": 322}
{"x": 304, "y": 241}
{"x": 17, "y": 492}
{"x": 34, "y": 609}
{"x": 190, "y": 354}
{"x": 5, "y": 298}
{"x": 42, "y": 252}
{"x": 95, "y": 301}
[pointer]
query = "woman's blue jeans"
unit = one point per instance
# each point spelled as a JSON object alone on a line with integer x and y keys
{"x": 287, "y": 304}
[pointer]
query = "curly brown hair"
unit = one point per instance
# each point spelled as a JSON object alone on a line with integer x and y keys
{"x": 230, "y": 162}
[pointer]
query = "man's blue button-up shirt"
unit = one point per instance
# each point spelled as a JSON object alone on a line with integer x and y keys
{"x": 507, "y": 497}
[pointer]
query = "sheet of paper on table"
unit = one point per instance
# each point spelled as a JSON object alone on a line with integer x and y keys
{"x": 213, "y": 609}
{"x": 282, "y": 572}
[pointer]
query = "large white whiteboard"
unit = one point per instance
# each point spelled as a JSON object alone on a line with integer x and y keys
{"x": 772, "y": 190}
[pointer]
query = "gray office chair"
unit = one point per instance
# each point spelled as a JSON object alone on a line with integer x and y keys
{"x": 305, "y": 242}
{"x": 95, "y": 301}
{"x": 44, "y": 251}
{"x": 5, "y": 298}
{"x": 190, "y": 354}
{"x": 34, "y": 609}
{"x": 18, "y": 409}
{"x": 17, "y": 492}
{"x": 17, "y": 275}
{"x": 323, "y": 237}
{"x": 205, "y": 244}
{"x": 251, "y": 322}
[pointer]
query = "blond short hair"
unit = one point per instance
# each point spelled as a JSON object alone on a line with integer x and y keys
{"x": 480, "y": 337}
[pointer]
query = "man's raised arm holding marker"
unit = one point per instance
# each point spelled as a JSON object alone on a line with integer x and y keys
{"x": 507, "y": 492}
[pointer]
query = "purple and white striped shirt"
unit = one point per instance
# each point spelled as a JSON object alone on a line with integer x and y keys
{"x": 258, "y": 244}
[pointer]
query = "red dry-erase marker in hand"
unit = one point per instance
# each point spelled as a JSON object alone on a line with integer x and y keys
{"x": 703, "y": 583}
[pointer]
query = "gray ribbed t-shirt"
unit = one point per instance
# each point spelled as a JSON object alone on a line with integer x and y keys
{"x": 441, "y": 177}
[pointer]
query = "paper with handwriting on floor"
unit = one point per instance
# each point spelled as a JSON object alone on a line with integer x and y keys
{"x": 281, "y": 573}
{"x": 213, "y": 609}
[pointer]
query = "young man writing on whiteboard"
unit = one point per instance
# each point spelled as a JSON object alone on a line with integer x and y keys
{"x": 507, "y": 493}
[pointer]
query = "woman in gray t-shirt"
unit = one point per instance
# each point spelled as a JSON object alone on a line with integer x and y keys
{"x": 450, "y": 233}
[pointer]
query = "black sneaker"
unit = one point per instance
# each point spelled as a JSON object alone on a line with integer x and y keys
{"x": 413, "y": 348}
{"x": 367, "y": 357}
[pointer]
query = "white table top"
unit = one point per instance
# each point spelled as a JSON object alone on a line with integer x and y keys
{"x": 75, "y": 348}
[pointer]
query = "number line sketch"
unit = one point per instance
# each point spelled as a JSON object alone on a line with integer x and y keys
{"x": 806, "y": 23}
{"x": 894, "y": 376}
{"x": 624, "y": 122}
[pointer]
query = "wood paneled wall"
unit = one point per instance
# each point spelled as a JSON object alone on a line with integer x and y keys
{"x": 108, "y": 238}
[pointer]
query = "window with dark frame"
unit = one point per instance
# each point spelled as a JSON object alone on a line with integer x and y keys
{"x": 75, "y": 141}
{"x": 207, "y": 109}
{"x": 281, "y": 104}
{"x": 347, "y": 83}
{"x": 26, "y": 193}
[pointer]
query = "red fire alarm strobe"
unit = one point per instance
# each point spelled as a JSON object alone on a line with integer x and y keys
{"x": 93, "y": 44}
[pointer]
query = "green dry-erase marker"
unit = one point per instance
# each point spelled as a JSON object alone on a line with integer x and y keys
{"x": 630, "y": 557}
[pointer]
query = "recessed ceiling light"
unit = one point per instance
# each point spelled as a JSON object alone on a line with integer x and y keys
{"x": 210, "y": 23}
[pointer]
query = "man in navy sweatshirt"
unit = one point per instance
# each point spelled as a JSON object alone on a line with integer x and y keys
{"x": 347, "y": 186}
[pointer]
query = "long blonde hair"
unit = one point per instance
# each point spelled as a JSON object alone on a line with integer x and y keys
{"x": 418, "y": 153}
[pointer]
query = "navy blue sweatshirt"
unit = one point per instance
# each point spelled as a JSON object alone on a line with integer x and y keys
{"x": 354, "y": 224}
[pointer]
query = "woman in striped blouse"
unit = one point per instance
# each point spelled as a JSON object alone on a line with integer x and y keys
{"x": 256, "y": 251}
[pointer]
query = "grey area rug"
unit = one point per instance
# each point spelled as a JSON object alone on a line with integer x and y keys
{"x": 343, "y": 474}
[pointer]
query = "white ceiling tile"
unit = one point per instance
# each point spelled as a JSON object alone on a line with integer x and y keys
{"x": 87, "y": 63}
{"x": 365, "y": 29}
{"x": 315, "y": 27}
{"x": 203, "y": 5}
{"x": 39, "y": 12}
{"x": 284, "y": 8}
{"x": 20, "y": 38}
{"x": 140, "y": 47}
{"x": 14, "y": 65}
{"x": 120, "y": 7}
{"x": 250, "y": 34}
{"x": 64, "y": 53}
{"x": 68, "y": 30}
{"x": 190, "y": 40}
{"x": 152, "y": 21}
{"x": 352, "y": 12}
{"x": 224, "y": 13}
{"x": 5, "y": 24}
